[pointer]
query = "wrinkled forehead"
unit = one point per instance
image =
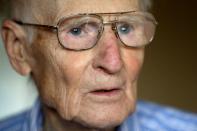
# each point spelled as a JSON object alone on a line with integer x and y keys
{"x": 57, "y": 9}
{"x": 94, "y": 6}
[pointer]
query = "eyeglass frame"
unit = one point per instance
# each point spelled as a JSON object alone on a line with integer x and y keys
{"x": 55, "y": 28}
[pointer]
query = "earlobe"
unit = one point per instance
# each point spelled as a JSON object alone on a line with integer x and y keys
{"x": 14, "y": 39}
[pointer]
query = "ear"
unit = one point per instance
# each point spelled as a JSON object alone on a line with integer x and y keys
{"x": 15, "y": 41}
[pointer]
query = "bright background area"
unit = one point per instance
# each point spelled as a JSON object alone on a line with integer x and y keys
{"x": 169, "y": 75}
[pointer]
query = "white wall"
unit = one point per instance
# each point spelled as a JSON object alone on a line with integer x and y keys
{"x": 17, "y": 93}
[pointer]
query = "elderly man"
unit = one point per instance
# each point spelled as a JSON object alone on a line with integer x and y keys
{"x": 85, "y": 57}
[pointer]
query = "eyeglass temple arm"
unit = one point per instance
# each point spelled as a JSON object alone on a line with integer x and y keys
{"x": 36, "y": 25}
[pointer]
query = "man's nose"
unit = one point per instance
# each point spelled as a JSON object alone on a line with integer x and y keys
{"x": 108, "y": 56}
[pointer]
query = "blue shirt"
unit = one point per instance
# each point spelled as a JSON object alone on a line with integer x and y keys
{"x": 148, "y": 117}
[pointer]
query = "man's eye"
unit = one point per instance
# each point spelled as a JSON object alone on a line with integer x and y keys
{"x": 76, "y": 31}
{"x": 83, "y": 30}
{"x": 125, "y": 28}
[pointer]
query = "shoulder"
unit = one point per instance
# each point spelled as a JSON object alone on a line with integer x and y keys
{"x": 14, "y": 123}
{"x": 29, "y": 120}
{"x": 159, "y": 117}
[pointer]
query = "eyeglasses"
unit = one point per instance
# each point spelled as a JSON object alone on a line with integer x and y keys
{"x": 83, "y": 31}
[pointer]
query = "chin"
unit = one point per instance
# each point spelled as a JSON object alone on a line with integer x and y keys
{"x": 104, "y": 117}
{"x": 101, "y": 124}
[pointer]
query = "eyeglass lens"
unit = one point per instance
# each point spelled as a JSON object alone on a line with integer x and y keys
{"x": 83, "y": 31}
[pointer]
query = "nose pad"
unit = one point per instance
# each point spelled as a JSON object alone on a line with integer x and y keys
{"x": 114, "y": 28}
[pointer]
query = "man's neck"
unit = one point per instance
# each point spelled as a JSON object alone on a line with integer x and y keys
{"x": 53, "y": 122}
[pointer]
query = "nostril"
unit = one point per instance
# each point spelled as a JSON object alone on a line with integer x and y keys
{"x": 102, "y": 69}
{"x": 108, "y": 69}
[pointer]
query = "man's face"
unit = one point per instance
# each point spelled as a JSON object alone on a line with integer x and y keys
{"x": 95, "y": 87}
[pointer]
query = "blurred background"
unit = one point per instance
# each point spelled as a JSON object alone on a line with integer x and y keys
{"x": 169, "y": 75}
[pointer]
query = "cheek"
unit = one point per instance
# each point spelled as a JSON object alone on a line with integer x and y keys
{"x": 70, "y": 68}
{"x": 44, "y": 73}
{"x": 133, "y": 61}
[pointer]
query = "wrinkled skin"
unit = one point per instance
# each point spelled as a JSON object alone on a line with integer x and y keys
{"x": 66, "y": 78}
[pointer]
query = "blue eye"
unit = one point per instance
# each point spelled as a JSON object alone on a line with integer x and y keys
{"x": 75, "y": 31}
{"x": 125, "y": 28}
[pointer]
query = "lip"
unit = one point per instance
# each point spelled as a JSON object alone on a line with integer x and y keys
{"x": 106, "y": 88}
{"x": 106, "y": 94}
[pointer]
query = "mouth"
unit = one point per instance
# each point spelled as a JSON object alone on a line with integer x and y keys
{"x": 106, "y": 92}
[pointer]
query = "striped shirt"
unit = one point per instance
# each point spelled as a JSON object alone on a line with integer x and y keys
{"x": 148, "y": 117}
